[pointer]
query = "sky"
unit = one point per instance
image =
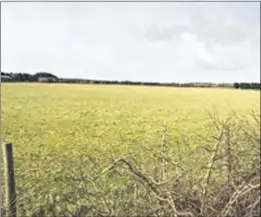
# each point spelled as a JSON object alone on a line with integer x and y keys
{"x": 153, "y": 41}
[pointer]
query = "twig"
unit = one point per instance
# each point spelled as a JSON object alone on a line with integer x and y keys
{"x": 172, "y": 204}
{"x": 163, "y": 153}
{"x": 245, "y": 189}
{"x": 209, "y": 172}
{"x": 148, "y": 182}
{"x": 252, "y": 206}
{"x": 229, "y": 155}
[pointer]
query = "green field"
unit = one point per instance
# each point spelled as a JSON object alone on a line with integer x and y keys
{"x": 64, "y": 135}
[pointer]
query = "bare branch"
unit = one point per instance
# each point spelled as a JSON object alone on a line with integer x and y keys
{"x": 209, "y": 172}
{"x": 245, "y": 189}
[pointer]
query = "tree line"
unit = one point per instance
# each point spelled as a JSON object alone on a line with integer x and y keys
{"x": 25, "y": 77}
{"x": 51, "y": 78}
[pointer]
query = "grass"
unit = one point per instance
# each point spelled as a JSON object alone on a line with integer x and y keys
{"x": 65, "y": 135}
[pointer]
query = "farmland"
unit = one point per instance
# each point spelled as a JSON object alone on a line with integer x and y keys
{"x": 66, "y": 137}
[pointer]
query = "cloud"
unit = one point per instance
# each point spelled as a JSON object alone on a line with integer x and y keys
{"x": 133, "y": 41}
{"x": 219, "y": 42}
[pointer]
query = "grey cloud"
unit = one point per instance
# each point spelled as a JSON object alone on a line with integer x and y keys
{"x": 221, "y": 23}
{"x": 225, "y": 35}
{"x": 110, "y": 40}
{"x": 212, "y": 34}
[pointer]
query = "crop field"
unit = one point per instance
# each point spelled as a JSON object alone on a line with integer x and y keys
{"x": 107, "y": 150}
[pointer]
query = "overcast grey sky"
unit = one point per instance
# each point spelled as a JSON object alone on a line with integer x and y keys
{"x": 171, "y": 42}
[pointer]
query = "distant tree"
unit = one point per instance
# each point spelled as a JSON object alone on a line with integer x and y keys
{"x": 26, "y": 77}
{"x": 245, "y": 86}
{"x": 255, "y": 86}
{"x": 236, "y": 85}
{"x": 45, "y": 76}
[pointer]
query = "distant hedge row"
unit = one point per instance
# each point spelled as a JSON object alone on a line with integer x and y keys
{"x": 50, "y": 78}
{"x": 255, "y": 86}
{"x": 84, "y": 81}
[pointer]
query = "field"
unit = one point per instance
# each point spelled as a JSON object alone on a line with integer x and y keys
{"x": 108, "y": 150}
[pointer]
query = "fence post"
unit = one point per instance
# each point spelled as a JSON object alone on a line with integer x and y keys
{"x": 10, "y": 179}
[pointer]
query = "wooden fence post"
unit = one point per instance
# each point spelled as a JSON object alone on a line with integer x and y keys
{"x": 10, "y": 179}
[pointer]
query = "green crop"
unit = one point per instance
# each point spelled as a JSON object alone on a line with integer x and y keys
{"x": 69, "y": 141}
